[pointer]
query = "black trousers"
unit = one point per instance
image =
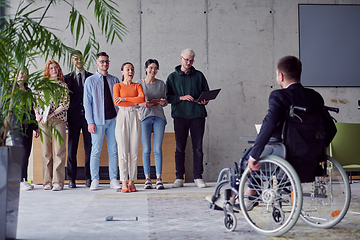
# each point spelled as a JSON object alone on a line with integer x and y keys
{"x": 73, "y": 143}
{"x": 197, "y": 128}
{"x": 26, "y": 139}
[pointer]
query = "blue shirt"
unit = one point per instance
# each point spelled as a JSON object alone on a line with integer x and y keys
{"x": 94, "y": 97}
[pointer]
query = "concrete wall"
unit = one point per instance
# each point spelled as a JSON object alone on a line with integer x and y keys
{"x": 237, "y": 45}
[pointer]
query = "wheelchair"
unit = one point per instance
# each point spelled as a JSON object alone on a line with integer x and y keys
{"x": 281, "y": 198}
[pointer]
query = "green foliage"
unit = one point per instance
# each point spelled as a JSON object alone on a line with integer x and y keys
{"x": 24, "y": 39}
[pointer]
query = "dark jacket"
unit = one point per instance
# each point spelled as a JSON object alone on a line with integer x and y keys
{"x": 279, "y": 103}
{"x": 180, "y": 84}
{"x": 76, "y": 108}
{"x": 33, "y": 125}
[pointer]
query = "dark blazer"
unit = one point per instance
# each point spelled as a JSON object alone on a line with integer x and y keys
{"x": 279, "y": 102}
{"x": 76, "y": 96}
{"x": 306, "y": 163}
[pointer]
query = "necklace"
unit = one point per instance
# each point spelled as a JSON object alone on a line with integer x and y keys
{"x": 151, "y": 81}
{"x": 127, "y": 82}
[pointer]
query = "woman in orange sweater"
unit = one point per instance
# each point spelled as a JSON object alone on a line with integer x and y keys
{"x": 128, "y": 125}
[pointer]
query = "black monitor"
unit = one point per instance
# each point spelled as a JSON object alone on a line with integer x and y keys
{"x": 329, "y": 38}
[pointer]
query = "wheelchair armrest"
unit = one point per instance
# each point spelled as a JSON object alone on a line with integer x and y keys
{"x": 332, "y": 109}
{"x": 248, "y": 139}
{"x": 252, "y": 139}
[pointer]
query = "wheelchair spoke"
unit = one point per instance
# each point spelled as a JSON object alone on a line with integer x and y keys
{"x": 271, "y": 212}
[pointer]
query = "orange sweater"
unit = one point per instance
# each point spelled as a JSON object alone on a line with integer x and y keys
{"x": 132, "y": 93}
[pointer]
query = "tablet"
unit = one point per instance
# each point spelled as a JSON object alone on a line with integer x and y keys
{"x": 208, "y": 95}
{"x": 155, "y": 101}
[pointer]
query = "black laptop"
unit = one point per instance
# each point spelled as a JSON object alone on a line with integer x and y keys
{"x": 208, "y": 95}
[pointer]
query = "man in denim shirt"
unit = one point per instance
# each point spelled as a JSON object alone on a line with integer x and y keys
{"x": 100, "y": 114}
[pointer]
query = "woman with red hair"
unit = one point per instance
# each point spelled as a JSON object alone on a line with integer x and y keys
{"x": 53, "y": 114}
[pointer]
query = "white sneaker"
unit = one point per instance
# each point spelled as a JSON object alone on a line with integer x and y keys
{"x": 57, "y": 187}
{"x": 114, "y": 184}
{"x": 249, "y": 204}
{"x": 148, "y": 184}
{"x": 159, "y": 184}
{"x": 178, "y": 183}
{"x": 47, "y": 187}
{"x": 24, "y": 185}
{"x": 200, "y": 183}
{"x": 94, "y": 185}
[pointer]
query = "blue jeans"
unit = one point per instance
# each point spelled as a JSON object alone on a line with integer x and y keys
{"x": 156, "y": 125}
{"x": 97, "y": 139}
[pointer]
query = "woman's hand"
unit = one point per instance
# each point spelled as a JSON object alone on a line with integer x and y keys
{"x": 146, "y": 104}
{"x": 119, "y": 99}
{"x": 37, "y": 133}
{"x": 37, "y": 117}
{"x": 43, "y": 121}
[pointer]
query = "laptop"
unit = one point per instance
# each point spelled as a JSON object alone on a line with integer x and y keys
{"x": 258, "y": 127}
{"x": 208, "y": 95}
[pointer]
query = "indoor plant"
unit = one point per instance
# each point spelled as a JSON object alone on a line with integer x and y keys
{"x": 23, "y": 39}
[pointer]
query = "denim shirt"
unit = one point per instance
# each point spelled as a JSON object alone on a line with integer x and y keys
{"x": 94, "y": 97}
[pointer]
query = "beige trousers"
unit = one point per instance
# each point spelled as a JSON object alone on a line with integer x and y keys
{"x": 53, "y": 165}
{"x": 128, "y": 136}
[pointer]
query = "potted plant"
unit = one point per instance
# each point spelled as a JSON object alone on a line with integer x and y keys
{"x": 24, "y": 39}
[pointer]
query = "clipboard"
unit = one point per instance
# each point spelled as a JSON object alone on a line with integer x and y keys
{"x": 45, "y": 112}
{"x": 208, "y": 95}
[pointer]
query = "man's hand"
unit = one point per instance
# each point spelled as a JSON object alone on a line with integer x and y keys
{"x": 92, "y": 128}
{"x": 203, "y": 101}
{"x": 186, "y": 98}
{"x": 252, "y": 164}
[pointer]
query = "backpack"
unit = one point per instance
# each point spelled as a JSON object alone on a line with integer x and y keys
{"x": 306, "y": 136}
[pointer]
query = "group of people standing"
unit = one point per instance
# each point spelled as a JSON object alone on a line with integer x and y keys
{"x": 125, "y": 112}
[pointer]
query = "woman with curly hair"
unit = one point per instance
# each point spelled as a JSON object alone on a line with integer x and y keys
{"x": 53, "y": 166}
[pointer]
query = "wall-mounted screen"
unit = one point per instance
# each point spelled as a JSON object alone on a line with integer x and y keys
{"x": 329, "y": 38}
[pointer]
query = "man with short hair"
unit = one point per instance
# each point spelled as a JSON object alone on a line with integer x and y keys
{"x": 76, "y": 119}
{"x": 100, "y": 114}
{"x": 288, "y": 75}
{"x": 183, "y": 86}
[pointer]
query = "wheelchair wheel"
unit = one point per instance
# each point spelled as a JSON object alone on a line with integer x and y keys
{"x": 230, "y": 221}
{"x": 278, "y": 199}
{"x": 326, "y": 201}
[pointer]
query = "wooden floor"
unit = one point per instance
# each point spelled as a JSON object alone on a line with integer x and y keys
{"x": 168, "y": 158}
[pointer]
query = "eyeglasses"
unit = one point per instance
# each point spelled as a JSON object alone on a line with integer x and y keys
{"x": 103, "y": 61}
{"x": 187, "y": 60}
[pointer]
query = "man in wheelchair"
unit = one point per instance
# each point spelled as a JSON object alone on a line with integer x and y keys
{"x": 296, "y": 117}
